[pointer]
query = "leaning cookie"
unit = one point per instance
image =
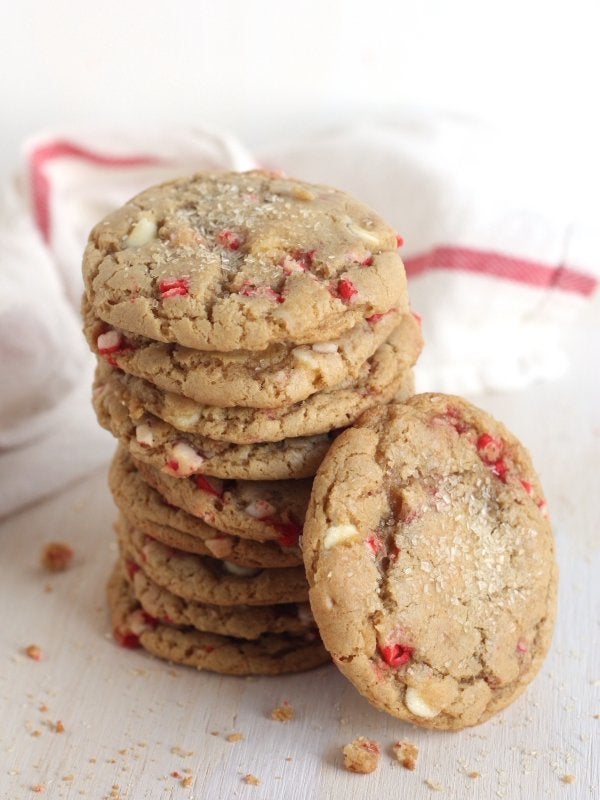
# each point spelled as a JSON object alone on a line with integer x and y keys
{"x": 259, "y": 510}
{"x": 144, "y": 508}
{"x": 157, "y": 443}
{"x": 387, "y": 374}
{"x": 243, "y": 622}
{"x": 208, "y": 580}
{"x": 431, "y": 561}
{"x": 239, "y": 261}
{"x": 270, "y": 654}
{"x": 271, "y": 378}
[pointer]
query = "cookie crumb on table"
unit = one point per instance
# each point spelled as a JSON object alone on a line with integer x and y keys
{"x": 235, "y": 737}
{"x": 283, "y": 713}
{"x": 361, "y": 755}
{"x": 568, "y": 778}
{"x": 406, "y": 753}
{"x": 34, "y": 652}
{"x": 473, "y": 774}
{"x": 59, "y": 727}
{"x": 187, "y": 782}
{"x": 57, "y": 556}
{"x": 435, "y": 787}
{"x": 38, "y": 787}
{"x": 251, "y": 779}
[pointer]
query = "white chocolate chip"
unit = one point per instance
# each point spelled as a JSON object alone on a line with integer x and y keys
{"x": 109, "y": 340}
{"x": 144, "y": 435}
{"x": 185, "y": 421}
{"x": 305, "y": 356}
{"x": 417, "y": 705}
{"x": 325, "y": 347}
{"x": 260, "y": 509}
{"x": 363, "y": 234}
{"x": 138, "y": 622}
{"x": 187, "y": 459}
{"x": 338, "y": 534}
{"x": 141, "y": 233}
{"x": 242, "y": 572}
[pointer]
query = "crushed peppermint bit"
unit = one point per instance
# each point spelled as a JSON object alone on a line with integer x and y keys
{"x": 346, "y": 289}
{"x": 229, "y": 239}
{"x": 361, "y": 755}
{"x": 568, "y": 778}
{"x": 396, "y": 655}
{"x": 251, "y": 290}
{"x": 283, "y": 713}
{"x": 213, "y": 486}
{"x": 251, "y": 779}
{"x": 57, "y": 556}
{"x": 34, "y": 652}
{"x": 235, "y": 737}
{"x": 109, "y": 342}
{"x": 406, "y": 753}
{"x": 399, "y": 240}
{"x": 174, "y": 287}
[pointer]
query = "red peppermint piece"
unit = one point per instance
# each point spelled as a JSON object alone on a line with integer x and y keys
{"x": 150, "y": 619}
{"x": 522, "y": 646}
{"x": 250, "y": 290}
{"x": 527, "y": 486}
{"x": 452, "y": 417}
{"x": 399, "y": 241}
{"x": 418, "y": 317}
{"x": 126, "y": 638}
{"x": 289, "y": 532}
{"x": 109, "y": 342}
{"x": 304, "y": 257}
{"x": 229, "y": 239}
{"x": 500, "y": 469}
{"x": 374, "y": 544}
{"x": 396, "y": 655}
{"x": 346, "y": 289}
{"x": 375, "y": 318}
{"x": 490, "y": 448}
{"x": 367, "y": 262}
{"x": 212, "y": 486}
{"x": 173, "y": 287}
{"x": 208, "y": 648}
{"x": 172, "y": 464}
{"x": 131, "y": 567}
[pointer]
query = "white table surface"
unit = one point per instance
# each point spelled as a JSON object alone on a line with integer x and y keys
{"x": 130, "y": 720}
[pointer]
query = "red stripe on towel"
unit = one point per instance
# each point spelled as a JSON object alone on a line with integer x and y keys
{"x": 499, "y": 265}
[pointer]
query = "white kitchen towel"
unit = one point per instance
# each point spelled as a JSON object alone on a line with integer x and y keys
{"x": 497, "y": 265}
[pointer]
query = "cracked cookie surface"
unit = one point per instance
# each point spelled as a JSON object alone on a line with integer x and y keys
{"x": 227, "y": 261}
{"x": 431, "y": 561}
{"x": 382, "y": 377}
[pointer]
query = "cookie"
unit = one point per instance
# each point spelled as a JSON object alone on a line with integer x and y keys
{"x": 431, "y": 561}
{"x": 271, "y": 378}
{"x": 382, "y": 377}
{"x": 230, "y": 261}
{"x": 243, "y": 622}
{"x": 259, "y": 510}
{"x": 209, "y": 580}
{"x": 270, "y": 654}
{"x": 146, "y": 510}
{"x": 157, "y": 443}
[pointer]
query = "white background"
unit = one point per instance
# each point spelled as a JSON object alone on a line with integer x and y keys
{"x": 267, "y": 68}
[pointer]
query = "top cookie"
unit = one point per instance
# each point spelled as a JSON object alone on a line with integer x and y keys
{"x": 431, "y": 561}
{"x": 226, "y": 261}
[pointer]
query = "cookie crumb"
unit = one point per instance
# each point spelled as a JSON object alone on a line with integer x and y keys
{"x": 435, "y": 787}
{"x": 283, "y": 713}
{"x": 36, "y": 733}
{"x": 44, "y": 708}
{"x": 473, "y": 774}
{"x": 34, "y": 652}
{"x": 176, "y": 774}
{"x": 69, "y": 778}
{"x": 568, "y": 778}
{"x": 361, "y": 755}
{"x": 57, "y": 556}
{"x": 38, "y": 787}
{"x": 406, "y": 753}
{"x": 215, "y": 733}
{"x": 59, "y": 727}
{"x": 235, "y": 737}
{"x": 176, "y": 750}
{"x": 251, "y": 779}
{"x": 187, "y": 782}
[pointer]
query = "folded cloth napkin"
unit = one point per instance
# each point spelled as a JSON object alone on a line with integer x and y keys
{"x": 495, "y": 269}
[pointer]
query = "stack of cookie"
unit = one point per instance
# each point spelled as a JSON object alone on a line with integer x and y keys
{"x": 240, "y": 322}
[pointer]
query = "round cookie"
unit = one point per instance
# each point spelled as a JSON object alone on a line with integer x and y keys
{"x": 243, "y": 622}
{"x": 431, "y": 561}
{"x": 274, "y": 377}
{"x": 229, "y": 261}
{"x": 154, "y": 441}
{"x": 270, "y": 654}
{"x": 259, "y": 510}
{"x": 208, "y": 580}
{"x": 145, "y": 509}
{"x": 385, "y": 375}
